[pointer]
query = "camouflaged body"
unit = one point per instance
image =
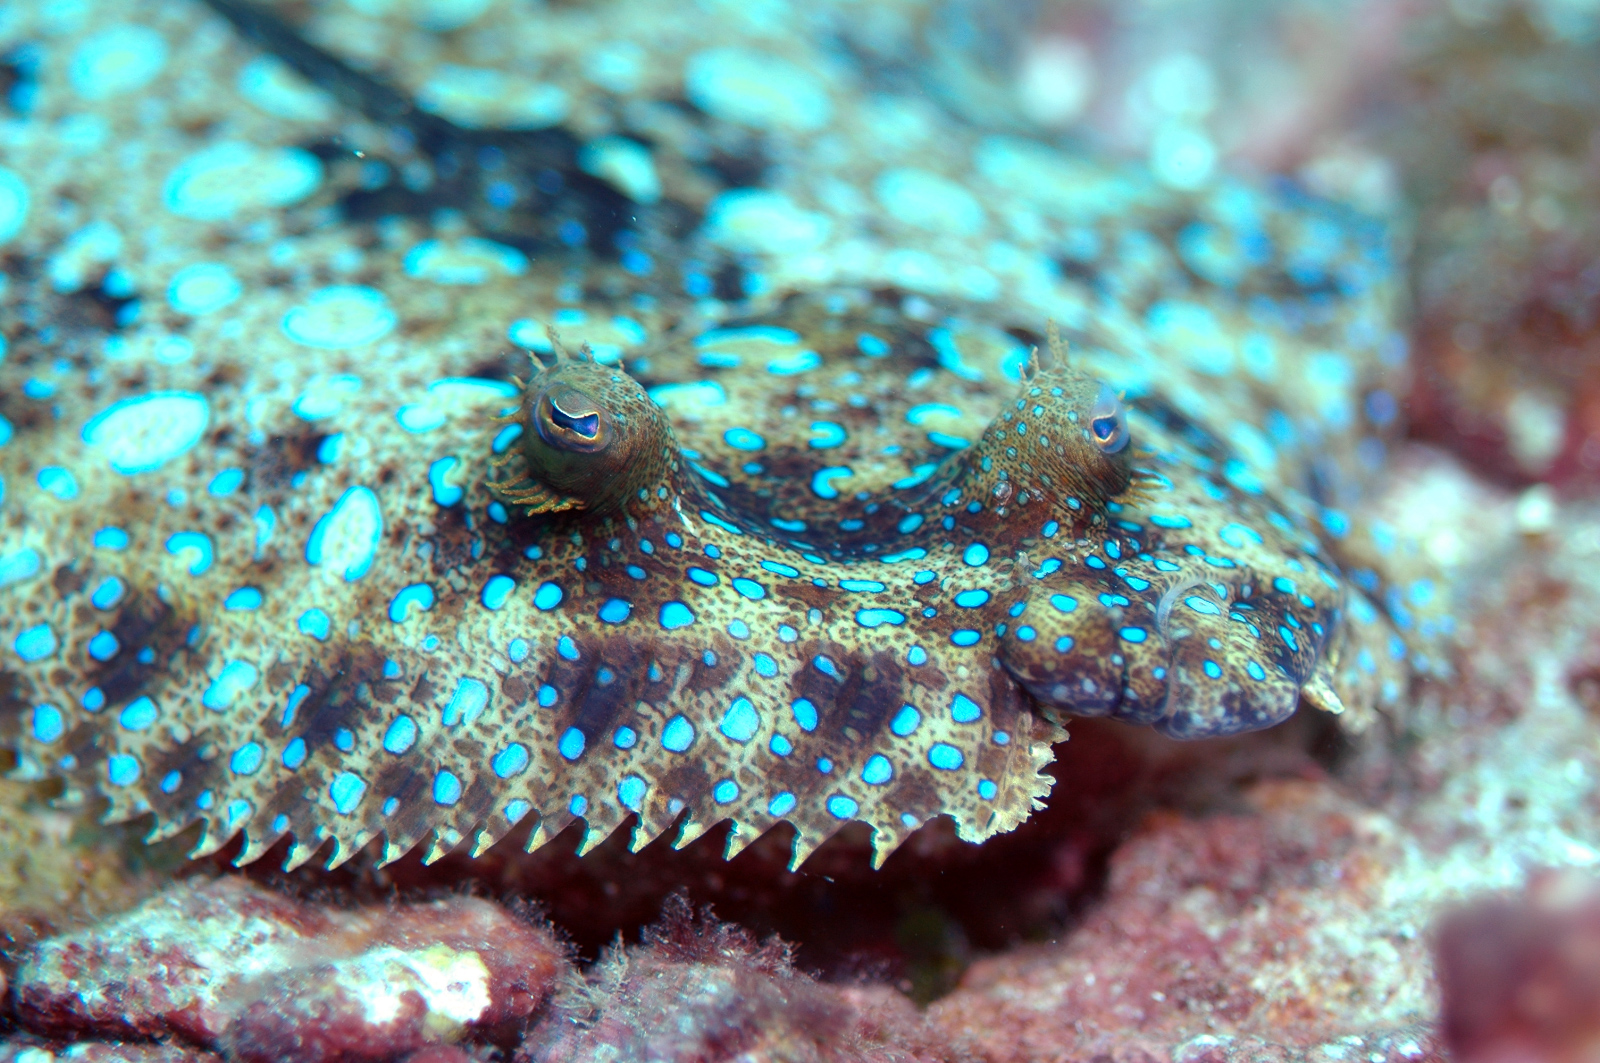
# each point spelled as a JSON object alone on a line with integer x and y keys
{"x": 266, "y": 586}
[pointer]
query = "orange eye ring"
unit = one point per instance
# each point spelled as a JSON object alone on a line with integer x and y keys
{"x": 1108, "y": 422}
{"x": 568, "y": 419}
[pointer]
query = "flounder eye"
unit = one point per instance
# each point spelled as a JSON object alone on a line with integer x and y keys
{"x": 570, "y": 420}
{"x": 1108, "y": 422}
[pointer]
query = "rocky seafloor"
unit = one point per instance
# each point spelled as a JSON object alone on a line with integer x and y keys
{"x": 182, "y": 214}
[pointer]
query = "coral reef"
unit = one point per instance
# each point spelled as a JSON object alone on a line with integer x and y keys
{"x": 1521, "y": 976}
{"x": 259, "y": 976}
{"x": 695, "y": 989}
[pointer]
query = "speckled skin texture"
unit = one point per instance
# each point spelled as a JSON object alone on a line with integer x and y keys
{"x": 267, "y": 584}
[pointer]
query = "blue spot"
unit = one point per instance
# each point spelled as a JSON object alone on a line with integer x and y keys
{"x": 871, "y": 346}
{"x": 964, "y": 710}
{"x": 518, "y": 650}
{"x": 511, "y": 760}
{"x": 245, "y": 599}
{"x": 825, "y": 665}
{"x": 919, "y": 474}
{"x": 916, "y": 656}
{"x": 548, "y": 695}
{"x": 246, "y": 760}
{"x": 766, "y": 667}
{"x": 1256, "y": 671}
{"x": 1063, "y": 603}
{"x": 826, "y": 434}
{"x": 625, "y": 738}
{"x": 675, "y": 615}
{"x": 738, "y": 629}
{"x": 36, "y": 643}
{"x": 418, "y": 594}
{"x": 631, "y": 791}
{"x": 466, "y": 703}
{"x": 111, "y": 539}
{"x": 548, "y": 596}
{"x": 965, "y": 637}
{"x": 235, "y": 678}
{"x": 226, "y": 482}
{"x": 870, "y": 618}
{"x": 987, "y": 789}
{"x": 1026, "y": 633}
{"x": 869, "y": 586}
{"x": 749, "y": 588}
{"x": 578, "y": 805}
{"x": 1238, "y": 535}
{"x": 781, "y": 745}
{"x": 1050, "y": 529}
{"x": 842, "y": 807}
{"x": 294, "y": 754}
{"x": 1202, "y": 605}
{"x": 1288, "y": 639}
{"x": 25, "y": 563}
{"x": 48, "y": 723}
{"x": 905, "y": 721}
{"x": 822, "y": 480}
{"x": 401, "y": 735}
{"x": 497, "y": 591}
{"x": 171, "y": 781}
{"x": 704, "y": 577}
{"x": 945, "y": 757}
{"x": 615, "y": 610}
{"x": 104, "y": 646}
{"x": 972, "y": 599}
{"x": 1133, "y": 634}
{"x": 1213, "y": 669}
{"x": 1162, "y": 521}
{"x": 197, "y": 542}
{"x": 741, "y": 721}
{"x": 976, "y": 554}
{"x": 805, "y": 714}
{"x": 316, "y": 623}
{"x": 725, "y": 791}
{"x": 567, "y": 648}
{"x": 446, "y": 789}
{"x": 877, "y": 771}
{"x": 1094, "y": 562}
{"x": 346, "y": 790}
{"x": 782, "y": 804}
{"x": 59, "y": 482}
{"x": 94, "y": 699}
{"x": 790, "y": 365}
{"x": 726, "y": 526}
{"x": 780, "y": 569}
{"x": 572, "y": 743}
{"x": 678, "y": 734}
{"x": 122, "y": 770}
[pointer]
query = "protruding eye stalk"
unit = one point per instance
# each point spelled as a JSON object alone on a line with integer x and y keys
{"x": 568, "y": 419}
{"x": 1108, "y": 422}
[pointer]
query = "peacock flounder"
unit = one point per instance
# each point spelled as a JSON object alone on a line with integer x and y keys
{"x": 569, "y": 615}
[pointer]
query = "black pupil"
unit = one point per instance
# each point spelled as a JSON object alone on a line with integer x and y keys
{"x": 586, "y": 425}
{"x": 1105, "y": 428}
